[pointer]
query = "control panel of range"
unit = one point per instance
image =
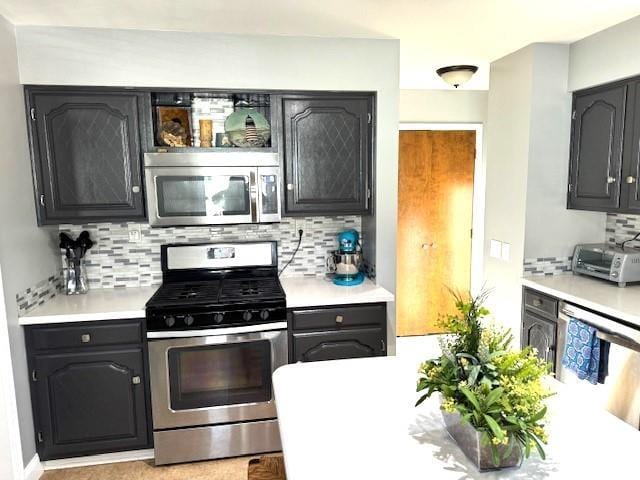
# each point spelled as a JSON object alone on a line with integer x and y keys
{"x": 158, "y": 321}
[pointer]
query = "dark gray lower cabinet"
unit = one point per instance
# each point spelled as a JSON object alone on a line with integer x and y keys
{"x": 335, "y": 333}
{"x": 540, "y": 334}
{"x": 90, "y": 398}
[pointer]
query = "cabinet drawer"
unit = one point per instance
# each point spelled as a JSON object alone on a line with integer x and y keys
{"x": 331, "y": 318}
{"x": 89, "y": 334}
{"x": 355, "y": 343}
{"x": 541, "y": 304}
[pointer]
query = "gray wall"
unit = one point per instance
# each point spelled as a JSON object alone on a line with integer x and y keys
{"x": 80, "y": 56}
{"x": 26, "y": 254}
{"x": 605, "y": 56}
{"x": 528, "y": 130}
{"x": 551, "y": 229}
{"x": 443, "y": 106}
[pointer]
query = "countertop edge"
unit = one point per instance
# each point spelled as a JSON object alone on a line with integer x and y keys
{"x": 598, "y": 307}
{"x": 81, "y": 317}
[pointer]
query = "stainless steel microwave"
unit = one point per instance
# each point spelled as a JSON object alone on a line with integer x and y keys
{"x": 212, "y": 188}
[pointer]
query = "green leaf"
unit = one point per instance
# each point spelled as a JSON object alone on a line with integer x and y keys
{"x": 538, "y": 416}
{"x": 422, "y": 399}
{"x": 539, "y": 447}
{"x": 472, "y": 398}
{"x": 495, "y": 428}
{"x": 494, "y": 396}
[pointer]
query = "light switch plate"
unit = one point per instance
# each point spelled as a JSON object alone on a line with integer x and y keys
{"x": 135, "y": 234}
{"x": 505, "y": 253}
{"x": 495, "y": 249}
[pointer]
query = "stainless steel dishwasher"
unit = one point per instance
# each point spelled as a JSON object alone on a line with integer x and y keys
{"x": 620, "y": 393}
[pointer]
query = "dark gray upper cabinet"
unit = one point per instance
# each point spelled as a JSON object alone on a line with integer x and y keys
{"x": 86, "y": 151}
{"x": 630, "y": 200}
{"x": 328, "y": 153}
{"x": 596, "y": 148}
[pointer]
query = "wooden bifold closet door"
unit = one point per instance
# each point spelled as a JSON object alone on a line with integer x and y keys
{"x": 435, "y": 205}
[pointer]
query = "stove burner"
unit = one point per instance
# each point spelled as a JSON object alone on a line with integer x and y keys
{"x": 184, "y": 293}
{"x": 242, "y": 289}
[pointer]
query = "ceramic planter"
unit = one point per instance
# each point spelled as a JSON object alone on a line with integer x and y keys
{"x": 469, "y": 441}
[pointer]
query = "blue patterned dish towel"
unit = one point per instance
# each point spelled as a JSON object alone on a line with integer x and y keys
{"x": 583, "y": 352}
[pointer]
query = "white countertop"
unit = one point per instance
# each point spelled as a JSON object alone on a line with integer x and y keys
{"x": 320, "y": 291}
{"x": 355, "y": 419}
{"x": 118, "y": 303}
{"x": 598, "y": 295}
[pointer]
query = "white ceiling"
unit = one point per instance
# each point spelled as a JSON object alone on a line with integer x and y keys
{"x": 432, "y": 33}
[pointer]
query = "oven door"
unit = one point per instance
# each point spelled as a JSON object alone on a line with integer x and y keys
{"x": 201, "y": 195}
{"x": 207, "y": 380}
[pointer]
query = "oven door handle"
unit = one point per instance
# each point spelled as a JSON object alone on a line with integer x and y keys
{"x": 213, "y": 332}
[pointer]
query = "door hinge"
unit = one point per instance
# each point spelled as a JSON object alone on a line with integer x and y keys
{"x": 368, "y": 118}
{"x": 33, "y": 113}
{"x": 42, "y": 200}
{"x": 368, "y": 193}
{"x": 570, "y": 188}
{"x": 573, "y": 115}
{"x": 34, "y": 375}
{"x": 40, "y": 437}
{"x": 136, "y": 380}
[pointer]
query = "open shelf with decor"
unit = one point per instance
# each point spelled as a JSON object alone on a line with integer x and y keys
{"x": 213, "y": 121}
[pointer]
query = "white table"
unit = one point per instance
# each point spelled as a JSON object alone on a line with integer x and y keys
{"x": 354, "y": 419}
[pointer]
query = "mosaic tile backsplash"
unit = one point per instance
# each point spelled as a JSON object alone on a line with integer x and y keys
{"x": 621, "y": 227}
{"x": 39, "y": 294}
{"x": 546, "y": 266}
{"x": 115, "y": 262}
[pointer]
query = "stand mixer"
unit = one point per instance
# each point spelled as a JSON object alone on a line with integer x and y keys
{"x": 346, "y": 262}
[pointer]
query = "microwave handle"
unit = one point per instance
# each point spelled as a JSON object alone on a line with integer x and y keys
{"x": 253, "y": 195}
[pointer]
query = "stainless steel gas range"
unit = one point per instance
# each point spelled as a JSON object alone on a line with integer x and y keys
{"x": 216, "y": 331}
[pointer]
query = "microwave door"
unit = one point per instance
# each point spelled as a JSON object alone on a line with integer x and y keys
{"x": 199, "y": 195}
{"x": 269, "y": 199}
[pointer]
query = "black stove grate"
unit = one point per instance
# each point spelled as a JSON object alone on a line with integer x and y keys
{"x": 250, "y": 289}
{"x": 185, "y": 293}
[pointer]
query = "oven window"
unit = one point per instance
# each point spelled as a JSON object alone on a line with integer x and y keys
{"x": 217, "y": 375}
{"x": 595, "y": 260}
{"x": 199, "y": 196}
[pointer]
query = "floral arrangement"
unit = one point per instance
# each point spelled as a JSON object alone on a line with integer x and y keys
{"x": 496, "y": 389}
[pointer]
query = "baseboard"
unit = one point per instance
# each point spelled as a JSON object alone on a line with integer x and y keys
{"x": 116, "y": 457}
{"x": 33, "y": 470}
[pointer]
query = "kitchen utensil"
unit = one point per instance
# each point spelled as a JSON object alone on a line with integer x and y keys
{"x": 345, "y": 264}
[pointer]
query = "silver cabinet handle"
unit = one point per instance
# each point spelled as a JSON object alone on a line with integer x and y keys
{"x": 136, "y": 380}
{"x": 339, "y": 318}
{"x": 85, "y": 338}
{"x": 135, "y": 189}
{"x": 611, "y": 180}
{"x": 383, "y": 346}
{"x": 42, "y": 200}
{"x": 630, "y": 179}
{"x": 289, "y": 186}
{"x": 537, "y": 302}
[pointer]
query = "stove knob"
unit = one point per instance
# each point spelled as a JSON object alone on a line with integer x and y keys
{"x": 246, "y": 316}
{"x": 188, "y": 320}
{"x": 264, "y": 314}
{"x": 218, "y": 317}
{"x": 169, "y": 321}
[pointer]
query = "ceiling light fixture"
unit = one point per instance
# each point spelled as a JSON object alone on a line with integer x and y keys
{"x": 457, "y": 75}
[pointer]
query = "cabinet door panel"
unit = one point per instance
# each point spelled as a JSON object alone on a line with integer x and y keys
{"x": 327, "y": 154}
{"x": 540, "y": 334}
{"x": 88, "y": 154}
{"x": 596, "y": 149}
{"x": 89, "y": 402}
{"x": 630, "y": 200}
{"x": 356, "y": 343}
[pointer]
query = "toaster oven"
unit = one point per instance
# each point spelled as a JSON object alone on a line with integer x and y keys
{"x": 619, "y": 265}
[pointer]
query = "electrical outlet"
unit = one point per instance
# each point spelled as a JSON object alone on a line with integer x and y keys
{"x": 135, "y": 234}
{"x": 300, "y": 224}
